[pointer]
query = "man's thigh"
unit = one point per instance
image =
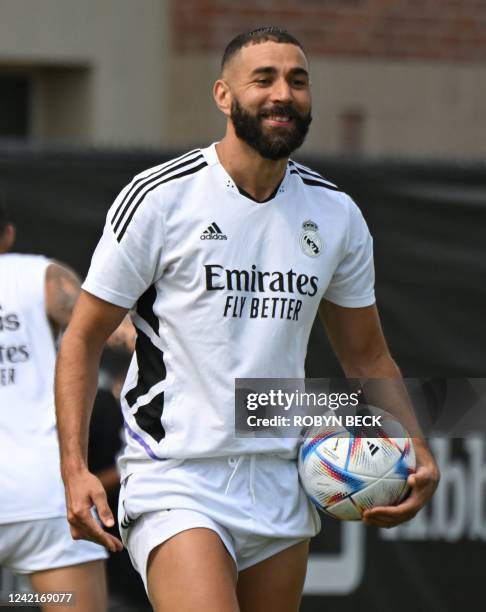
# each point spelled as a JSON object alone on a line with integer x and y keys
{"x": 192, "y": 572}
{"x": 275, "y": 583}
{"x": 87, "y": 581}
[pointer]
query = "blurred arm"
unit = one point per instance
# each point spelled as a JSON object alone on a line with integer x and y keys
{"x": 62, "y": 291}
{"x": 124, "y": 336}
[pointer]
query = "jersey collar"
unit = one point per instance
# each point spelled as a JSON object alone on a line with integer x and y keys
{"x": 211, "y": 156}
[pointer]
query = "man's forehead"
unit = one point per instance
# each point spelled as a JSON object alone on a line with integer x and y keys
{"x": 269, "y": 54}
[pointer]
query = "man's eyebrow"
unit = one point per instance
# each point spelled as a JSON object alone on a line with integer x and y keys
{"x": 273, "y": 70}
{"x": 263, "y": 70}
{"x": 299, "y": 71}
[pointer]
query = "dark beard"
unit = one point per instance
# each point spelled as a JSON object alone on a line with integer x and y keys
{"x": 278, "y": 144}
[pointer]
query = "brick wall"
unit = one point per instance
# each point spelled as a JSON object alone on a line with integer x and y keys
{"x": 447, "y": 30}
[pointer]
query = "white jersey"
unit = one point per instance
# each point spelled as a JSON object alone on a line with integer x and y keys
{"x": 221, "y": 287}
{"x": 30, "y": 481}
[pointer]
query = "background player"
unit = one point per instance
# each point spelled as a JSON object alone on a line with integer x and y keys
{"x": 36, "y": 301}
{"x": 226, "y": 254}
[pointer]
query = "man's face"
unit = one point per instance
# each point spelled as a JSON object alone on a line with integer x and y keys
{"x": 271, "y": 102}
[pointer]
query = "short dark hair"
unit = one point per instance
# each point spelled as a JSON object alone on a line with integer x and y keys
{"x": 260, "y": 35}
{"x": 4, "y": 217}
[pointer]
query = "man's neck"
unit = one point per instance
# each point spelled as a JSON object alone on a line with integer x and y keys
{"x": 257, "y": 176}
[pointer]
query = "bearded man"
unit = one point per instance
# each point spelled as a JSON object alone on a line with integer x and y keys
{"x": 224, "y": 256}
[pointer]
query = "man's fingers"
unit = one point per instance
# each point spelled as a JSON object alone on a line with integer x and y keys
{"x": 89, "y": 529}
{"x": 104, "y": 512}
{"x": 423, "y": 482}
{"x": 420, "y": 478}
{"x": 388, "y": 516}
{"x": 408, "y": 505}
{"x": 83, "y": 522}
{"x": 420, "y": 483}
{"x": 117, "y": 544}
{"x": 384, "y": 522}
{"x": 83, "y": 491}
{"x": 110, "y": 542}
{"x": 84, "y": 526}
{"x": 425, "y": 476}
{"x": 383, "y": 519}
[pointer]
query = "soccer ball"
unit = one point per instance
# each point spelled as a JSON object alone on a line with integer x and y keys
{"x": 345, "y": 475}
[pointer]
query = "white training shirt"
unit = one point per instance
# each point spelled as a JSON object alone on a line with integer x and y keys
{"x": 30, "y": 480}
{"x": 221, "y": 287}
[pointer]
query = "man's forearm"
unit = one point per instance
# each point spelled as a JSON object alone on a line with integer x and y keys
{"x": 383, "y": 387}
{"x": 76, "y": 385}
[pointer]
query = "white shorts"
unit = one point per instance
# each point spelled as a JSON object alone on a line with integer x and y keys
{"x": 32, "y": 546}
{"x": 253, "y": 502}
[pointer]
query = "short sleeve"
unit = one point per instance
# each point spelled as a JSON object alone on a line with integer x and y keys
{"x": 128, "y": 256}
{"x": 352, "y": 284}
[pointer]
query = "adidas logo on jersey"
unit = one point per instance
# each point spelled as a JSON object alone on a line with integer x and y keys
{"x": 213, "y": 232}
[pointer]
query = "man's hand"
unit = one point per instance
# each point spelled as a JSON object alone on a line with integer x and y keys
{"x": 83, "y": 491}
{"x": 423, "y": 483}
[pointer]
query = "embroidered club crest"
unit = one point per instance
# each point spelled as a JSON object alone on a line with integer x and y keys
{"x": 310, "y": 239}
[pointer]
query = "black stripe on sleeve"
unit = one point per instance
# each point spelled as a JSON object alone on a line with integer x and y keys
{"x": 149, "y": 177}
{"x": 315, "y": 183}
{"x": 151, "y": 188}
{"x": 319, "y": 184}
{"x": 146, "y": 182}
{"x": 305, "y": 170}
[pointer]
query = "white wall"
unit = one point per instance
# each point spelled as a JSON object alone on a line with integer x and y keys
{"x": 122, "y": 45}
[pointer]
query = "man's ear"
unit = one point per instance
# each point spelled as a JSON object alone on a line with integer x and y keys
{"x": 7, "y": 239}
{"x": 222, "y": 96}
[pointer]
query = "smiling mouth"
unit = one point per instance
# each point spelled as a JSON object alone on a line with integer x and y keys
{"x": 278, "y": 119}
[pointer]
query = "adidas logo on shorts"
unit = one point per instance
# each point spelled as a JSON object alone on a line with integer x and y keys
{"x": 213, "y": 232}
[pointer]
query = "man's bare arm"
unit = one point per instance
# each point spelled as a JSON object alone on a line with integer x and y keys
{"x": 93, "y": 321}
{"x": 358, "y": 340}
{"x": 62, "y": 291}
{"x": 124, "y": 337}
{"x": 360, "y": 345}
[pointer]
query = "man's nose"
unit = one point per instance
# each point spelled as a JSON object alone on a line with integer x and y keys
{"x": 281, "y": 91}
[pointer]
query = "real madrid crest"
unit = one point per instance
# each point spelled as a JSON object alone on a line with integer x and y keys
{"x": 310, "y": 240}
